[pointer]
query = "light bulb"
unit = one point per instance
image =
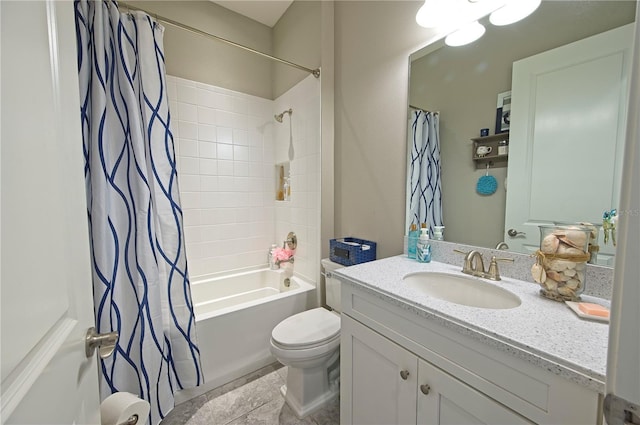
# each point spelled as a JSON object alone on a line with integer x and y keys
{"x": 513, "y": 11}
{"x": 465, "y": 35}
{"x": 436, "y": 14}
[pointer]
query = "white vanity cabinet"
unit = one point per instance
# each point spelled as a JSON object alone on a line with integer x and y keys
{"x": 388, "y": 384}
{"x": 400, "y": 368}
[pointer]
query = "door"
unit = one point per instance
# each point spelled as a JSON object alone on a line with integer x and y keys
{"x": 378, "y": 378}
{"x": 567, "y": 136}
{"x": 46, "y": 303}
{"x": 623, "y": 360}
{"x": 444, "y": 400}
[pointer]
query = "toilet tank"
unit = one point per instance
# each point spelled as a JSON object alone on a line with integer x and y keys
{"x": 332, "y": 285}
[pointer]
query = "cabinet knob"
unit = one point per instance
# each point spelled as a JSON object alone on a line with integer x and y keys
{"x": 425, "y": 389}
{"x": 404, "y": 374}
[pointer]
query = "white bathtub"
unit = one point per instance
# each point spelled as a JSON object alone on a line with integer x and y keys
{"x": 235, "y": 315}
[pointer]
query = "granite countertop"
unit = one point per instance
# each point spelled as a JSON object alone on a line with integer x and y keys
{"x": 541, "y": 331}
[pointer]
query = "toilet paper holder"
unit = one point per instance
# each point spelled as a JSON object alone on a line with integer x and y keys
{"x": 133, "y": 420}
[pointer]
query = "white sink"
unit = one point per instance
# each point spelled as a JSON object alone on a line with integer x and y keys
{"x": 461, "y": 289}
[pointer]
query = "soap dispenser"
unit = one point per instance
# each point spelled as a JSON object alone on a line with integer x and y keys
{"x": 412, "y": 241}
{"x": 423, "y": 249}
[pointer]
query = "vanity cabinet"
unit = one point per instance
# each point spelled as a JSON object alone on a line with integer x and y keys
{"x": 398, "y": 367}
{"x": 388, "y": 384}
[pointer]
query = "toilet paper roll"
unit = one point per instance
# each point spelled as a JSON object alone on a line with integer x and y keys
{"x": 120, "y": 407}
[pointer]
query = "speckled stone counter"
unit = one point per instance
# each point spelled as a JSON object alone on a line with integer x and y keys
{"x": 543, "y": 332}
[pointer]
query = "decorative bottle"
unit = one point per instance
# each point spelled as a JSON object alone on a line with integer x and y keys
{"x": 423, "y": 248}
{"x": 412, "y": 241}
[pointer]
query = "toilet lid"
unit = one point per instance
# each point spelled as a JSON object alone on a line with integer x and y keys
{"x": 309, "y": 328}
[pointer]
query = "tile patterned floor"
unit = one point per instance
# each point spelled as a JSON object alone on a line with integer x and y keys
{"x": 254, "y": 399}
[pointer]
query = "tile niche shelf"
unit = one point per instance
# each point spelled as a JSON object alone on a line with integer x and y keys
{"x": 493, "y": 159}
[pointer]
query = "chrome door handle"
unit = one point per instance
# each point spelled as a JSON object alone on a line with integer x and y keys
{"x": 513, "y": 233}
{"x": 404, "y": 374}
{"x": 105, "y": 343}
{"x": 425, "y": 389}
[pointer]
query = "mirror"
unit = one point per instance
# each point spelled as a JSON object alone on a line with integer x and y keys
{"x": 463, "y": 83}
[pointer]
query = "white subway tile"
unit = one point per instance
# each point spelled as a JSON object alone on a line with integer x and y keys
{"x": 189, "y": 183}
{"x": 188, "y": 165}
{"x": 224, "y": 135}
{"x": 187, "y": 130}
{"x": 187, "y": 112}
{"x": 207, "y": 150}
{"x": 240, "y": 137}
{"x": 225, "y": 168}
{"x": 240, "y": 153}
{"x": 240, "y": 105}
{"x": 206, "y": 98}
{"x": 209, "y": 167}
{"x": 206, "y": 115}
{"x": 191, "y": 217}
{"x": 225, "y": 151}
{"x": 207, "y": 133}
{"x": 209, "y": 183}
{"x": 224, "y": 119}
{"x": 187, "y": 94}
{"x": 240, "y": 169}
{"x": 188, "y": 147}
{"x": 226, "y": 183}
{"x": 224, "y": 102}
{"x": 190, "y": 200}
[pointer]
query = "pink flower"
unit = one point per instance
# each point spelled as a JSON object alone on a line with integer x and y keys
{"x": 282, "y": 254}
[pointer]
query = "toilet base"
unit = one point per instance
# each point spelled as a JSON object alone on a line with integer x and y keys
{"x": 303, "y": 411}
{"x": 308, "y": 390}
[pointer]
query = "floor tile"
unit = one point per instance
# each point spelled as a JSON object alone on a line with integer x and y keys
{"x": 254, "y": 399}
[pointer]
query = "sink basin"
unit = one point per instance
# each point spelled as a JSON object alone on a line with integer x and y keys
{"x": 460, "y": 289}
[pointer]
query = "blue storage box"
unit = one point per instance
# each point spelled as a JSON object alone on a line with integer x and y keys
{"x": 350, "y": 251}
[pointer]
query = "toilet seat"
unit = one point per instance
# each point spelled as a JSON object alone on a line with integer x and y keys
{"x": 306, "y": 330}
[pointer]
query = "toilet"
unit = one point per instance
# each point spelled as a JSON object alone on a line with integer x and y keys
{"x": 309, "y": 344}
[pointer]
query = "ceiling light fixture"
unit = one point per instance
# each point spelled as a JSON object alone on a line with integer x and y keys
{"x": 436, "y": 13}
{"x": 465, "y": 35}
{"x": 513, "y": 11}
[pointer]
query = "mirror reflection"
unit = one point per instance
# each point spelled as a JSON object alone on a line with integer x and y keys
{"x": 464, "y": 85}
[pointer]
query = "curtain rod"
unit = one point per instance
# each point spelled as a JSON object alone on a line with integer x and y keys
{"x": 423, "y": 110}
{"x": 314, "y": 72}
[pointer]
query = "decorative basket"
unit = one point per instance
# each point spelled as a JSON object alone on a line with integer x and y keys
{"x": 350, "y": 251}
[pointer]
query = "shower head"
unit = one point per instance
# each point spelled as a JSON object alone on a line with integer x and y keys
{"x": 280, "y": 116}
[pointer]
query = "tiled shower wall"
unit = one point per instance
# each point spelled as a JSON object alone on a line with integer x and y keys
{"x": 227, "y": 144}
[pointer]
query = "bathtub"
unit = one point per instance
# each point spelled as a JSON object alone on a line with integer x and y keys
{"x": 235, "y": 315}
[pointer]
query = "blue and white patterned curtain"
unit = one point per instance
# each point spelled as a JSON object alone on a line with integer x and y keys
{"x": 141, "y": 285}
{"x": 424, "y": 178}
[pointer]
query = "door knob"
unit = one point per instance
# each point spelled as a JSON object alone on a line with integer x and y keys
{"x": 425, "y": 389}
{"x": 404, "y": 374}
{"x": 513, "y": 233}
{"x": 105, "y": 343}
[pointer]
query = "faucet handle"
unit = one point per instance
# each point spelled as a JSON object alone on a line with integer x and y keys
{"x": 493, "y": 273}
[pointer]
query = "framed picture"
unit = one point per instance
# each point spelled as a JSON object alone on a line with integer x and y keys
{"x": 503, "y": 112}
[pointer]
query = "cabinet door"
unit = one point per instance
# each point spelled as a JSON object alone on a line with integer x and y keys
{"x": 442, "y": 399}
{"x": 378, "y": 378}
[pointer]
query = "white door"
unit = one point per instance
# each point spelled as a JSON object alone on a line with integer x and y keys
{"x": 378, "y": 378}
{"x": 623, "y": 361}
{"x": 567, "y": 136}
{"x": 46, "y": 303}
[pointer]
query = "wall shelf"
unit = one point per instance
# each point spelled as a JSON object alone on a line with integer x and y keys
{"x": 493, "y": 159}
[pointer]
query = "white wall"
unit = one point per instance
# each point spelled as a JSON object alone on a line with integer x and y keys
{"x": 227, "y": 145}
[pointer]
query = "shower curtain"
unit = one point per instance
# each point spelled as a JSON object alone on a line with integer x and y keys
{"x": 424, "y": 182}
{"x": 140, "y": 280}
